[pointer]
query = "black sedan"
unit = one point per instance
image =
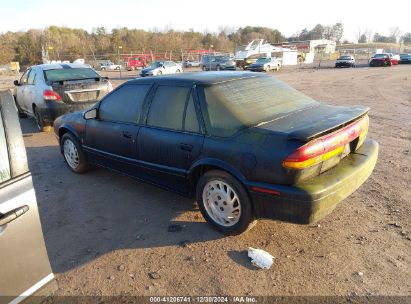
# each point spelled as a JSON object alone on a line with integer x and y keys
{"x": 245, "y": 145}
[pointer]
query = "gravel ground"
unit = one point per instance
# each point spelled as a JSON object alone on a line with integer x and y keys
{"x": 108, "y": 235}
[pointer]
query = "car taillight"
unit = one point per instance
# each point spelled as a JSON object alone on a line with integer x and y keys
{"x": 328, "y": 146}
{"x": 51, "y": 95}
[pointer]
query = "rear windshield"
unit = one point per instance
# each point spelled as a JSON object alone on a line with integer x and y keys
{"x": 239, "y": 104}
{"x": 70, "y": 74}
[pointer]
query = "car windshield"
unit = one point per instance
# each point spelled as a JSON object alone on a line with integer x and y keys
{"x": 263, "y": 60}
{"x": 238, "y": 104}
{"x": 345, "y": 58}
{"x": 70, "y": 74}
{"x": 380, "y": 55}
{"x": 155, "y": 64}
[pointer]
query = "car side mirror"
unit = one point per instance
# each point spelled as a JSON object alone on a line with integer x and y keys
{"x": 90, "y": 114}
{"x": 16, "y": 83}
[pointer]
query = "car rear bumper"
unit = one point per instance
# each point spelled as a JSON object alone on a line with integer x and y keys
{"x": 312, "y": 200}
{"x": 344, "y": 64}
{"x": 51, "y": 110}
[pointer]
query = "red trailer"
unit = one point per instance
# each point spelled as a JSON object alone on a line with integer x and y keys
{"x": 135, "y": 62}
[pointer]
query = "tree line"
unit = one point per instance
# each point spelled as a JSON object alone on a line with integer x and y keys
{"x": 63, "y": 43}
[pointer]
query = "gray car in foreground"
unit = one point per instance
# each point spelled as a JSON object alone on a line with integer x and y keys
{"x": 25, "y": 269}
{"x": 49, "y": 90}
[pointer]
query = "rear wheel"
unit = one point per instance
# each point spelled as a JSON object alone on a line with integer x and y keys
{"x": 159, "y": 73}
{"x": 178, "y": 71}
{"x": 41, "y": 124}
{"x": 73, "y": 154}
{"x": 224, "y": 202}
{"x": 268, "y": 68}
{"x": 218, "y": 68}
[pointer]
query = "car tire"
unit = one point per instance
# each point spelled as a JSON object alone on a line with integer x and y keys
{"x": 41, "y": 124}
{"x": 103, "y": 69}
{"x": 117, "y": 68}
{"x": 213, "y": 190}
{"x": 178, "y": 71}
{"x": 218, "y": 68}
{"x": 73, "y": 154}
{"x": 159, "y": 73}
{"x": 267, "y": 69}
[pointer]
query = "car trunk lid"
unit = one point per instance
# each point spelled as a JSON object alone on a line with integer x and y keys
{"x": 84, "y": 90}
{"x": 312, "y": 122}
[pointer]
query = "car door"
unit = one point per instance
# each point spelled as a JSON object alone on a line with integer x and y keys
{"x": 21, "y": 90}
{"x": 25, "y": 267}
{"x": 111, "y": 137}
{"x": 171, "y": 141}
{"x": 30, "y": 91}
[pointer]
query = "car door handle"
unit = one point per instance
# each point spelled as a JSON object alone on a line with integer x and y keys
{"x": 186, "y": 147}
{"x": 13, "y": 214}
{"x": 127, "y": 134}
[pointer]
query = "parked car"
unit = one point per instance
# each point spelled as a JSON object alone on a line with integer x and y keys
{"x": 218, "y": 63}
{"x": 246, "y": 145}
{"x": 405, "y": 58}
{"x": 137, "y": 62}
{"x": 191, "y": 63}
{"x": 49, "y": 90}
{"x": 383, "y": 59}
{"x": 265, "y": 64}
{"x": 161, "y": 67}
{"x": 345, "y": 61}
{"x": 109, "y": 66}
{"x": 395, "y": 58}
{"x": 25, "y": 265}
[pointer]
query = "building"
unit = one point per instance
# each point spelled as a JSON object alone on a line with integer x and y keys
{"x": 313, "y": 46}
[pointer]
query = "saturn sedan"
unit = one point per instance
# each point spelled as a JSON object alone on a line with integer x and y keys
{"x": 245, "y": 145}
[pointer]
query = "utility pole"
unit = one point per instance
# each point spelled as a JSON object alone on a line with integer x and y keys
{"x": 119, "y": 47}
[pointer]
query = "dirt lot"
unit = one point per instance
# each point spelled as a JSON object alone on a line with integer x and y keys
{"x": 106, "y": 233}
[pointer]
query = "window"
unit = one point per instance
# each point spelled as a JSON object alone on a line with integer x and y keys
{"x": 70, "y": 74}
{"x": 124, "y": 104}
{"x": 191, "y": 122}
{"x": 23, "y": 79}
{"x": 243, "y": 103}
{"x": 32, "y": 77}
{"x": 4, "y": 155}
{"x": 167, "y": 107}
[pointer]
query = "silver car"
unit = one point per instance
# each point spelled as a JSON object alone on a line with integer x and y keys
{"x": 25, "y": 267}
{"x": 49, "y": 90}
{"x": 160, "y": 68}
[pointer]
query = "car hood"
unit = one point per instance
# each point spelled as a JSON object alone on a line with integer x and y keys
{"x": 256, "y": 65}
{"x": 146, "y": 70}
{"x": 314, "y": 121}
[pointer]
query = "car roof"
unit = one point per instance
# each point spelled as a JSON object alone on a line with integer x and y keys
{"x": 207, "y": 78}
{"x": 55, "y": 66}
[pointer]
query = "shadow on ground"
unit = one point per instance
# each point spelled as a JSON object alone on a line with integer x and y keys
{"x": 87, "y": 215}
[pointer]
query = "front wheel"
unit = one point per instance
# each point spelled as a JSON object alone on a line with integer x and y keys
{"x": 73, "y": 154}
{"x": 224, "y": 202}
{"x": 159, "y": 73}
{"x": 178, "y": 71}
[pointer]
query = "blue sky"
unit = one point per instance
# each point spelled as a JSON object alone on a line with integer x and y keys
{"x": 287, "y": 16}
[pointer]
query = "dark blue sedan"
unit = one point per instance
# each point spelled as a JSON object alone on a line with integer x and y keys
{"x": 246, "y": 145}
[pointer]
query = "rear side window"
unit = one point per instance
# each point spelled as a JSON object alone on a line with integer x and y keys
{"x": 4, "y": 155}
{"x": 124, "y": 104}
{"x": 167, "y": 107}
